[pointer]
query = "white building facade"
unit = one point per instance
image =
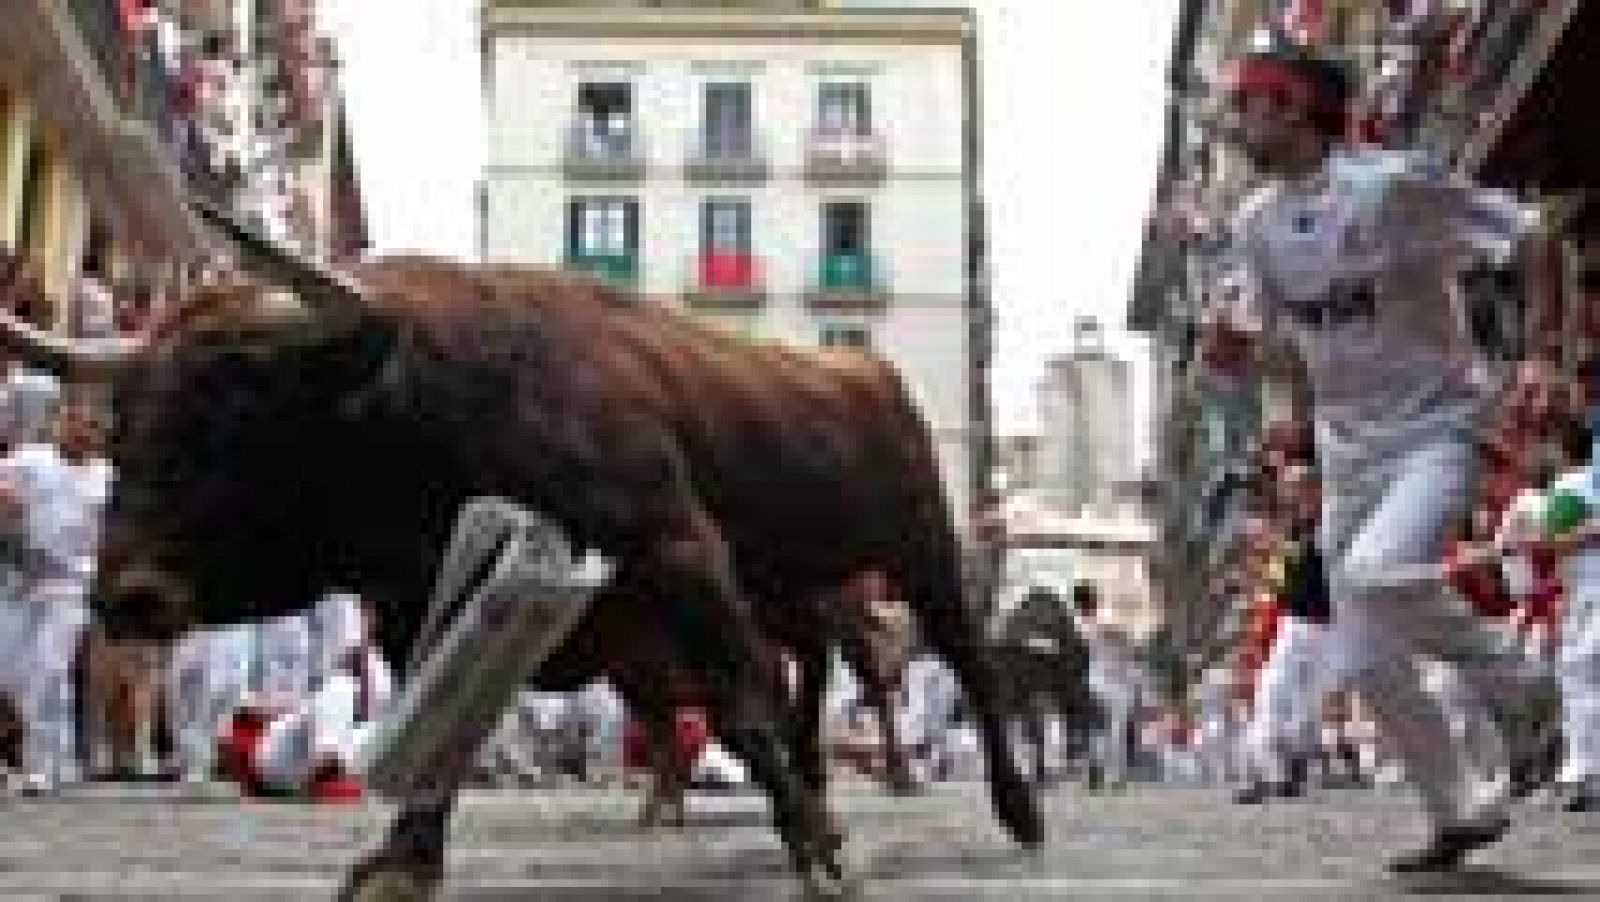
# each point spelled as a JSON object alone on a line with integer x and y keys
{"x": 806, "y": 176}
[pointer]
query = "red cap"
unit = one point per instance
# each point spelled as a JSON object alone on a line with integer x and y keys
{"x": 1265, "y": 76}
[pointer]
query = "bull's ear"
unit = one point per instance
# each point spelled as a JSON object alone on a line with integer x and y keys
{"x": 349, "y": 358}
{"x": 371, "y": 363}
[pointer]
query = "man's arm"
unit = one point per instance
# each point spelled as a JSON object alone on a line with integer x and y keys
{"x": 1238, "y": 326}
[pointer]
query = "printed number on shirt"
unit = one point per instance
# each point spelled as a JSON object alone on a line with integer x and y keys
{"x": 1345, "y": 301}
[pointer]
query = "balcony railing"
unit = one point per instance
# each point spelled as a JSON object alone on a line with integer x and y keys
{"x": 726, "y": 281}
{"x": 619, "y": 269}
{"x": 594, "y": 152}
{"x": 720, "y": 158}
{"x": 833, "y": 156}
{"x": 847, "y": 282}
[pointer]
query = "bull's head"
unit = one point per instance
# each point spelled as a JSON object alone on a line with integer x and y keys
{"x": 220, "y": 507}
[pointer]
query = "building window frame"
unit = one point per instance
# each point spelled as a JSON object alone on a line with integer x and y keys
{"x": 845, "y": 335}
{"x": 727, "y": 126}
{"x": 603, "y": 226}
{"x": 844, "y": 107}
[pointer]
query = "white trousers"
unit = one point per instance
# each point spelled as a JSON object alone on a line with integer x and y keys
{"x": 1113, "y": 746}
{"x": 324, "y": 727}
{"x": 1390, "y": 513}
{"x": 1578, "y": 669}
{"x": 1217, "y": 746}
{"x": 1288, "y": 711}
{"x": 208, "y": 678}
{"x": 52, "y": 617}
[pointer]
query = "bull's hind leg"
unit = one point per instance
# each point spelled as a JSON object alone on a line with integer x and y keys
{"x": 726, "y": 653}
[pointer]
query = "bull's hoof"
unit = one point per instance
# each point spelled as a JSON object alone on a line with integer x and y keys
{"x": 1019, "y": 811}
{"x": 906, "y": 786}
{"x": 385, "y": 879}
{"x": 657, "y": 819}
{"x": 828, "y": 882}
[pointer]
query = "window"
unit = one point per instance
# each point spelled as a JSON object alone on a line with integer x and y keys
{"x": 602, "y": 227}
{"x": 727, "y": 122}
{"x": 725, "y": 227}
{"x": 844, "y": 228}
{"x": 844, "y": 108}
{"x": 846, "y": 335}
{"x": 605, "y": 118}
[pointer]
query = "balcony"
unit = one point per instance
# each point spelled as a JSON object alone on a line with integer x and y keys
{"x": 847, "y": 283}
{"x": 848, "y": 157}
{"x": 726, "y": 282}
{"x": 604, "y": 154}
{"x": 621, "y": 270}
{"x": 728, "y": 159}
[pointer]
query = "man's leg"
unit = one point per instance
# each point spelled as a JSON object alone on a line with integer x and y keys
{"x": 1264, "y": 739}
{"x": 1579, "y": 670}
{"x": 1391, "y": 520}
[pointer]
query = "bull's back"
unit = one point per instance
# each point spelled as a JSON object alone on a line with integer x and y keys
{"x": 792, "y": 450}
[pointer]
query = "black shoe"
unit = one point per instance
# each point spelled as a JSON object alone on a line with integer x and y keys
{"x": 1582, "y": 802}
{"x": 1450, "y": 847}
{"x": 1533, "y": 742}
{"x": 1256, "y": 793}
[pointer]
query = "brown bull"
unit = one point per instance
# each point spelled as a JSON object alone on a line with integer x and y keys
{"x": 262, "y": 461}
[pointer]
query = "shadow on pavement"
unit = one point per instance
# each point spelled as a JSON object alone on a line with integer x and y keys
{"x": 1484, "y": 881}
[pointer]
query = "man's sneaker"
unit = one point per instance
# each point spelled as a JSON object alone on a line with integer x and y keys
{"x": 1260, "y": 791}
{"x": 35, "y": 785}
{"x": 1584, "y": 801}
{"x": 1451, "y": 846}
{"x": 1533, "y": 750}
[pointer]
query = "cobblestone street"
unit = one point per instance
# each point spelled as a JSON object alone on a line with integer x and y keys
{"x": 581, "y": 845}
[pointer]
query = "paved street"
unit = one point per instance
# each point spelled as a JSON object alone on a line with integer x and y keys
{"x": 579, "y": 845}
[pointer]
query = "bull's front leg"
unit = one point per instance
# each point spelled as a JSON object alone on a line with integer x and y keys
{"x": 410, "y": 864}
{"x": 666, "y": 775}
{"x": 690, "y": 563}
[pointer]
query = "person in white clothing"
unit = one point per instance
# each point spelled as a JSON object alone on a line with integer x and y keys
{"x": 1284, "y": 734}
{"x": 1524, "y": 572}
{"x": 1571, "y": 526}
{"x": 1114, "y": 679}
{"x": 1353, "y": 258}
{"x": 1217, "y": 739}
{"x": 315, "y": 747}
{"x": 53, "y": 495}
{"x": 209, "y": 678}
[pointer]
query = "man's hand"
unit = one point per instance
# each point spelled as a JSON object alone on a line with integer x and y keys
{"x": 1225, "y": 349}
{"x": 12, "y": 508}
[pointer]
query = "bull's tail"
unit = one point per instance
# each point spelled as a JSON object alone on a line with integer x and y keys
{"x": 925, "y": 562}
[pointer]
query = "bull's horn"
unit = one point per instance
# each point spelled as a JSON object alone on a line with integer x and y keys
{"x": 320, "y": 289}
{"x": 66, "y": 358}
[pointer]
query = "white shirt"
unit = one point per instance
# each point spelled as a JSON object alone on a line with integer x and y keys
{"x": 1359, "y": 267}
{"x": 63, "y": 504}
